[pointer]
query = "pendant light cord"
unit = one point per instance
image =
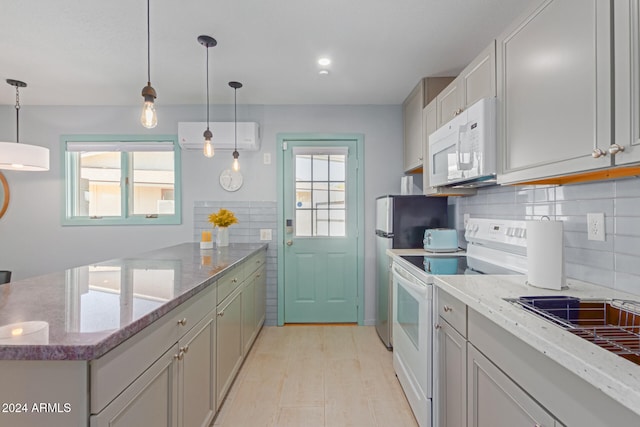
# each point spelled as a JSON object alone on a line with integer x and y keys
{"x": 207, "y": 87}
{"x": 17, "y": 114}
{"x": 148, "y": 46}
{"x": 235, "y": 118}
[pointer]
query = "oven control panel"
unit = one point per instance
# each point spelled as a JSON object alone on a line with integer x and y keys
{"x": 496, "y": 231}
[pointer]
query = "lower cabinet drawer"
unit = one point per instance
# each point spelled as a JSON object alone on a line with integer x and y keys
{"x": 229, "y": 282}
{"x": 453, "y": 311}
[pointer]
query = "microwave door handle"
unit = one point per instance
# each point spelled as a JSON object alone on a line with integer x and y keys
{"x": 460, "y": 163}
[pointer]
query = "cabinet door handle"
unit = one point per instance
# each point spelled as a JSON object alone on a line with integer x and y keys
{"x": 221, "y": 313}
{"x": 447, "y": 309}
{"x": 437, "y": 326}
{"x": 615, "y": 149}
{"x": 184, "y": 349}
{"x": 234, "y": 280}
{"x": 598, "y": 152}
{"x": 182, "y": 322}
{"x": 457, "y": 112}
{"x": 179, "y": 356}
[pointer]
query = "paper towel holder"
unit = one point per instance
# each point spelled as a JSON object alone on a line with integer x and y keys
{"x": 545, "y": 254}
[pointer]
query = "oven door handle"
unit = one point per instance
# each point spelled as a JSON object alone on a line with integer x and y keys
{"x": 421, "y": 290}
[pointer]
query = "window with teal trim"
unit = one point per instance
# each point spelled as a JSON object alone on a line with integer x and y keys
{"x": 121, "y": 180}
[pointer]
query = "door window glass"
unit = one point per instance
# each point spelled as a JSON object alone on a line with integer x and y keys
{"x": 320, "y": 183}
{"x": 408, "y": 315}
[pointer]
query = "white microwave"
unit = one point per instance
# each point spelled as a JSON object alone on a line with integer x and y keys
{"x": 463, "y": 151}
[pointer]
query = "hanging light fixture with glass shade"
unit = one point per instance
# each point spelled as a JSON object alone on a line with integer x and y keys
{"x": 149, "y": 118}
{"x": 236, "y": 155}
{"x": 207, "y": 42}
{"x": 17, "y": 156}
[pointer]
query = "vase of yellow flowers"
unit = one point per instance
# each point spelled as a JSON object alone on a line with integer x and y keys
{"x": 222, "y": 220}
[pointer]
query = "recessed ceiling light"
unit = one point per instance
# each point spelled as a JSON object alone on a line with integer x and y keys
{"x": 323, "y": 72}
{"x": 324, "y": 61}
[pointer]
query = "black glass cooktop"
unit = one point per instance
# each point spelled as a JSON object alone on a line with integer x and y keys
{"x": 441, "y": 264}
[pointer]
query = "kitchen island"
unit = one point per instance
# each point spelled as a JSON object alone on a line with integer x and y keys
{"x": 511, "y": 356}
{"x": 154, "y": 339}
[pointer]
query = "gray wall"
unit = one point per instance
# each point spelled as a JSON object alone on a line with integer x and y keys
{"x": 612, "y": 263}
{"x": 33, "y": 242}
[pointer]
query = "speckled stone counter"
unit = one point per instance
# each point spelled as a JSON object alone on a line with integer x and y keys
{"x": 614, "y": 375}
{"x": 83, "y": 312}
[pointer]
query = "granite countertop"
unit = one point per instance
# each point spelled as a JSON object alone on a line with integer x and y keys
{"x": 610, "y": 373}
{"x": 83, "y": 312}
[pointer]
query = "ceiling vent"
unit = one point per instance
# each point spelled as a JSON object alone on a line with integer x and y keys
{"x": 190, "y": 135}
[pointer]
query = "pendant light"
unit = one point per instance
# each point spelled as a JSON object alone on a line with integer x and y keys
{"x": 25, "y": 157}
{"x": 207, "y": 42}
{"x": 148, "y": 118}
{"x": 235, "y": 86}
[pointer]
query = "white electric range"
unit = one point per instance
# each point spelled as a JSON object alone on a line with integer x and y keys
{"x": 493, "y": 247}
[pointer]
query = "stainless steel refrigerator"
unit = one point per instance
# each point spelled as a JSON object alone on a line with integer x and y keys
{"x": 400, "y": 224}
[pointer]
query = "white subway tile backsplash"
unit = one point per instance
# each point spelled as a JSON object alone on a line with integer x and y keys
{"x": 252, "y": 216}
{"x": 614, "y": 263}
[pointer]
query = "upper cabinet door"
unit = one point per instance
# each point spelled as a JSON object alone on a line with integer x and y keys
{"x": 479, "y": 77}
{"x": 412, "y": 118}
{"x": 627, "y": 81}
{"x": 554, "y": 91}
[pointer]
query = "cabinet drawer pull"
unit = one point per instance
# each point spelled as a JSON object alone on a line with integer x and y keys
{"x": 184, "y": 349}
{"x": 615, "y": 148}
{"x": 447, "y": 309}
{"x": 234, "y": 280}
{"x": 598, "y": 152}
{"x": 182, "y": 322}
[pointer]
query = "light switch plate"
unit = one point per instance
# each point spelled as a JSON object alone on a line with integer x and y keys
{"x": 265, "y": 234}
{"x": 266, "y": 158}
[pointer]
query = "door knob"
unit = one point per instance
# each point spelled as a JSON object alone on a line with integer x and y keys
{"x": 289, "y": 242}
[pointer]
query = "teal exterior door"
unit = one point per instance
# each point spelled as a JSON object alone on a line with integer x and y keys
{"x": 320, "y": 231}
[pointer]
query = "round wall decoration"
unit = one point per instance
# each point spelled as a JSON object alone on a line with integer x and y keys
{"x": 4, "y": 194}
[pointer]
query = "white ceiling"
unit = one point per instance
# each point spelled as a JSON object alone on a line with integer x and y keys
{"x": 93, "y": 52}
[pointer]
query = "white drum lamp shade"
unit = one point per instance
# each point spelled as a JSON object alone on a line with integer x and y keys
{"x": 23, "y": 157}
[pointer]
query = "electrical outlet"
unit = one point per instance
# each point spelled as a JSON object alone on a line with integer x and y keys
{"x": 265, "y": 234}
{"x": 595, "y": 226}
{"x": 466, "y": 219}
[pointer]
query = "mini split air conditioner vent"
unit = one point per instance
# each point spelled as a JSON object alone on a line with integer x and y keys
{"x": 190, "y": 135}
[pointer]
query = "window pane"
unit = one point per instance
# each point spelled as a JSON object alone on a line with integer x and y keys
{"x": 337, "y": 220}
{"x": 336, "y": 168}
{"x": 337, "y": 195}
{"x": 320, "y": 195}
{"x": 322, "y": 222}
{"x": 320, "y": 167}
{"x": 303, "y": 195}
{"x": 303, "y": 223}
{"x": 303, "y": 168}
{"x": 153, "y": 183}
{"x": 99, "y": 192}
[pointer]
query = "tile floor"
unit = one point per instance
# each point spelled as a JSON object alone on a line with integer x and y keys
{"x": 334, "y": 376}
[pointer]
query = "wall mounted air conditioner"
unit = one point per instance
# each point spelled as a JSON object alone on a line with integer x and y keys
{"x": 190, "y": 135}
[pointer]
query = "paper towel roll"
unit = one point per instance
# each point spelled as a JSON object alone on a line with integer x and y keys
{"x": 545, "y": 260}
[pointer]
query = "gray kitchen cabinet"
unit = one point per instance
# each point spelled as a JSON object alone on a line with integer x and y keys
{"x": 248, "y": 313}
{"x": 494, "y": 400}
{"x": 476, "y": 81}
{"x": 554, "y": 91}
{"x": 430, "y": 124}
{"x": 450, "y": 359}
{"x": 413, "y": 137}
{"x": 152, "y": 399}
{"x": 260, "y": 298}
{"x": 452, "y": 376}
{"x": 229, "y": 347}
{"x": 627, "y": 81}
{"x": 197, "y": 373}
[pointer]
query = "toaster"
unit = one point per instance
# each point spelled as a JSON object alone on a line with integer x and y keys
{"x": 440, "y": 240}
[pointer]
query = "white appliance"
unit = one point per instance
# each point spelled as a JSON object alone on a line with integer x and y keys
{"x": 463, "y": 151}
{"x": 494, "y": 247}
{"x": 190, "y": 135}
